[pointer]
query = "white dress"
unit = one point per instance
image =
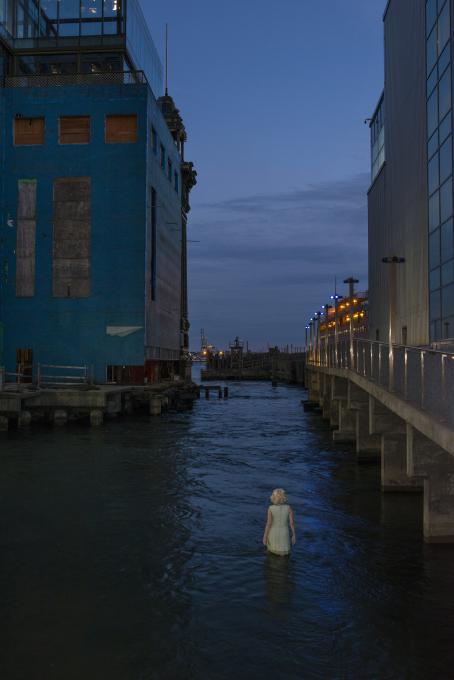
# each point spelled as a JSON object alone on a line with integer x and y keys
{"x": 278, "y": 537}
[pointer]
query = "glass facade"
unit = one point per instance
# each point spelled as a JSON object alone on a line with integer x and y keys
{"x": 141, "y": 48}
{"x": 116, "y": 25}
{"x": 41, "y": 21}
{"x": 440, "y": 169}
{"x": 377, "y": 132}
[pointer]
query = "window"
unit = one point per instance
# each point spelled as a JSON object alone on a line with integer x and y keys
{"x": 74, "y": 130}
{"x": 434, "y": 249}
{"x": 163, "y": 157}
{"x": 176, "y": 181}
{"x": 154, "y": 140}
{"x": 377, "y": 129}
{"x": 121, "y": 129}
{"x": 446, "y": 241}
{"x": 169, "y": 169}
{"x": 28, "y": 131}
{"x": 440, "y": 163}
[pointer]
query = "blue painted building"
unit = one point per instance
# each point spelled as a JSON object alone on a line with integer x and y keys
{"x": 94, "y": 194}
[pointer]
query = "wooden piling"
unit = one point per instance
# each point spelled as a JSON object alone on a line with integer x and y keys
{"x": 155, "y": 406}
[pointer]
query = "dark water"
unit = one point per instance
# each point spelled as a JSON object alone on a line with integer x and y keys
{"x": 133, "y": 552}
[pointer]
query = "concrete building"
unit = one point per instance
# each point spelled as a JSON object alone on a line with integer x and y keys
{"x": 392, "y": 399}
{"x": 93, "y": 194}
{"x": 411, "y": 197}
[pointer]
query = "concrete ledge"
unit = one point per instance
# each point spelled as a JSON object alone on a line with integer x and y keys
{"x": 433, "y": 429}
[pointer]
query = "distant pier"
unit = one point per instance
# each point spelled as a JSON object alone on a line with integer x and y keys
{"x": 274, "y": 365}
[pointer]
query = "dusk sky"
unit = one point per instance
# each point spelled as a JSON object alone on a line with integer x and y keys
{"x": 274, "y": 96}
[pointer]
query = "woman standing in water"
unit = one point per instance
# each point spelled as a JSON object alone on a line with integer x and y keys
{"x": 280, "y": 516}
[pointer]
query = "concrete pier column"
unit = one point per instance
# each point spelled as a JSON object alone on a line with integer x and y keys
{"x": 326, "y": 404}
{"x": 346, "y": 432}
{"x": 4, "y": 424}
{"x": 368, "y": 446}
{"x": 394, "y": 475}
{"x": 334, "y": 414}
{"x": 128, "y": 406}
{"x": 339, "y": 388}
{"x": 436, "y": 465}
{"x": 96, "y": 417}
{"x": 24, "y": 420}
{"x": 60, "y": 417}
{"x": 382, "y": 420}
{"x": 439, "y": 508}
{"x": 314, "y": 385}
{"x": 155, "y": 406}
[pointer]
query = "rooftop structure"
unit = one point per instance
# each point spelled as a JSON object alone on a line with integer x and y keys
{"x": 68, "y": 37}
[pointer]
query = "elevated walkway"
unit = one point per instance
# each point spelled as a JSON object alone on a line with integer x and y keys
{"x": 394, "y": 404}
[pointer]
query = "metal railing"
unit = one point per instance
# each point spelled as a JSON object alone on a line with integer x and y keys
{"x": 62, "y": 79}
{"x": 421, "y": 376}
{"x": 52, "y": 376}
{"x": 23, "y": 375}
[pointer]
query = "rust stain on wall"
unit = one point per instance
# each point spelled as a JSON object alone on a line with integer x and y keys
{"x": 26, "y": 238}
{"x": 72, "y": 237}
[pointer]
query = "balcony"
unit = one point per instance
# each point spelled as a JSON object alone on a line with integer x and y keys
{"x": 63, "y": 80}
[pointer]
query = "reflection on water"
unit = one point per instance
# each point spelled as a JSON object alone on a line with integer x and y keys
{"x": 279, "y": 575}
{"x": 133, "y": 552}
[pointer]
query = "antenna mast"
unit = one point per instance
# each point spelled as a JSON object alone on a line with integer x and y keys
{"x": 167, "y": 58}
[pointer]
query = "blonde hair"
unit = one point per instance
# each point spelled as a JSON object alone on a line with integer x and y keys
{"x": 278, "y": 497}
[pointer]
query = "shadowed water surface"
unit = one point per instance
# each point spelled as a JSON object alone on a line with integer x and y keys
{"x": 133, "y": 552}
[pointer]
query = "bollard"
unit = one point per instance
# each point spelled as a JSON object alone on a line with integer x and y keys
{"x": 207, "y": 393}
{"x": 25, "y": 419}
{"x": 226, "y": 392}
{"x": 220, "y": 393}
{"x": 96, "y": 418}
{"x": 198, "y": 392}
{"x": 155, "y": 406}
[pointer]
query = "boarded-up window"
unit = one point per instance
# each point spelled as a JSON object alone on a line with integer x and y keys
{"x": 121, "y": 129}
{"x": 74, "y": 130}
{"x": 26, "y": 238}
{"x": 28, "y": 131}
{"x": 72, "y": 237}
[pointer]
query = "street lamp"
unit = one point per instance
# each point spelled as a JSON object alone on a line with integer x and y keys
{"x": 351, "y": 294}
{"x": 393, "y": 261}
{"x": 317, "y": 336}
{"x": 326, "y": 309}
{"x": 336, "y": 299}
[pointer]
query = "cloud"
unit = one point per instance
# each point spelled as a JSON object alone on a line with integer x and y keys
{"x": 274, "y": 254}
